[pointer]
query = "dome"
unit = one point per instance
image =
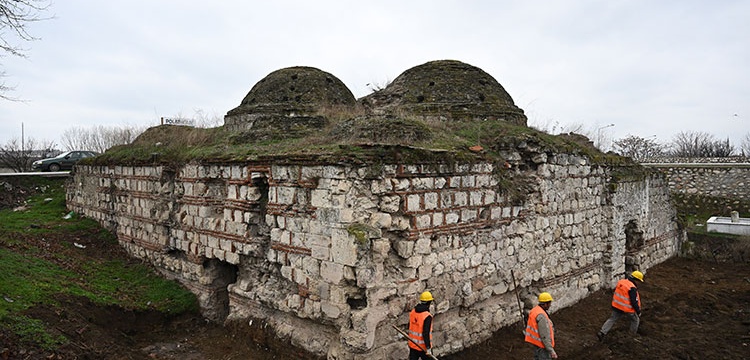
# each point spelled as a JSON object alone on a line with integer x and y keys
{"x": 288, "y": 103}
{"x": 446, "y": 89}
{"x": 295, "y": 89}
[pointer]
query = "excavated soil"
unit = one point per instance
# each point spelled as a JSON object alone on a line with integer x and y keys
{"x": 691, "y": 310}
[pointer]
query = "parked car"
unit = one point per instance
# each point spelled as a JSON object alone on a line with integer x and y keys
{"x": 64, "y": 161}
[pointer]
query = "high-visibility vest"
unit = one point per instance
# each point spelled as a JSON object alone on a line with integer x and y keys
{"x": 416, "y": 325}
{"x": 532, "y": 328}
{"x": 621, "y": 296}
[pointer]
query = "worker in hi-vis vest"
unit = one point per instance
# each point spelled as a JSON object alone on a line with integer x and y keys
{"x": 420, "y": 329}
{"x": 540, "y": 331}
{"x": 626, "y": 301}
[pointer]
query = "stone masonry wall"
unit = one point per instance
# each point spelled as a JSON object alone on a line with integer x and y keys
{"x": 727, "y": 182}
{"x": 331, "y": 256}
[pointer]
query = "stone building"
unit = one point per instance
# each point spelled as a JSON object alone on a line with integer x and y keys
{"x": 332, "y": 251}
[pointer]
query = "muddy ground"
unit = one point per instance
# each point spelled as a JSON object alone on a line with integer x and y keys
{"x": 692, "y": 309}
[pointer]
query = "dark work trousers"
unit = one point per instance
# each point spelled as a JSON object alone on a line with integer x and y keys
{"x": 418, "y": 355}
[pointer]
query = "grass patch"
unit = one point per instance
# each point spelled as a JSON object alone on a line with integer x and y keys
{"x": 40, "y": 260}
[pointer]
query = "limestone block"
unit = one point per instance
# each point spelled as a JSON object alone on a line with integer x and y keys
{"x": 423, "y": 246}
{"x": 476, "y": 259}
{"x": 390, "y": 204}
{"x": 349, "y": 273}
{"x": 438, "y": 269}
{"x": 381, "y": 186}
{"x": 320, "y": 252}
{"x": 287, "y": 272}
{"x": 366, "y": 277}
{"x": 340, "y": 186}
{"x": 381, "y": 247}
{"x": 413, "y": 203}
{"x": 404, "y": 248}
{"x": 343, "y": 247}
{"x": 334, "y": 172}
{"x": 454, "y": 182}
{"x": 430, "y": 200}
{"x": 424, "y": 221}
{"x": 438, "y": 219}
{"x": 460, "y": 199}
{"x": 476, "y": 198}
{"x": 468, "y": 215}
{"x": 424, "y": 272}
{"x": 440, "y": 182}
{"x": 380, "y": 220}
{"x": 338, "y": 200}
{"x": 452, "y": 218}
{"x": 285, "y": 195}
{"x": 423, "y": 183}
{"x": 232, "y": 258}
{"x": 469, "y": 181}
{"x": 413, "y": 262}
{"x": 311, "y": 173}
{"x": 401, "y": 184}
{"x": 320, "y": 198}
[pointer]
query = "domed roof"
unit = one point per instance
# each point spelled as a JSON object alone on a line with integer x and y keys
{"x": 295, "y": 89}
{"x": 449, "y": 89}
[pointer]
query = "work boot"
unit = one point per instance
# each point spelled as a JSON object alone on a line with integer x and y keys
{"x": 600, "y": 336}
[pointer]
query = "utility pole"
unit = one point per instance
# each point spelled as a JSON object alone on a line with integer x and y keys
{"x": 22, "y": 145}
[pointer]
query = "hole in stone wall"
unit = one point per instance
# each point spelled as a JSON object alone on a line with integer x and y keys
{"x": 261, "y": 182}
{"x": 634, "y": 242}
{"x": 216, "y": 302}
{"x": 357, "y": 303}
{"x": 176, "y": 253}
{"x": 432, "y": 83}
{"x": 420, "y": 98}
{"x": 633, "y": 236}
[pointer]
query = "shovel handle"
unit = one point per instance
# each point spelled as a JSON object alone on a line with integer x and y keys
{"x": 413, "y": 342}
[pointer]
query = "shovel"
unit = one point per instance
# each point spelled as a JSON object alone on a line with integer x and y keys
{"x": 413, "y": 342}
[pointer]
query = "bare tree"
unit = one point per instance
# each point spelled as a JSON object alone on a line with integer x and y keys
{"x": 745, "y": 146}
{"x": 638, "y": 148}
{"x": 99, "y": 138}
{"x": 18, "y": 158}
{"x": 699, "y": 144}
{"x": 206, "y": 120}
{"x": 14, "y": 16}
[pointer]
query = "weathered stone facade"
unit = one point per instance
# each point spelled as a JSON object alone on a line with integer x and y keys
{"x": 332, "y": 251}
{"x": 342, "y": 252}
{"x": 726, "y": 181}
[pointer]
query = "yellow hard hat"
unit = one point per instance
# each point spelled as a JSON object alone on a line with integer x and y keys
{"x": 426, "y": 296}
{"x": 545, "y": 297}
{"x": 638, "y": 275}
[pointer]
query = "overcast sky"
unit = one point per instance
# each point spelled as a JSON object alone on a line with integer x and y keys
{"x": 648, "y": 67}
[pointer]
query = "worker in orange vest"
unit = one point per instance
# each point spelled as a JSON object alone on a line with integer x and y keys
{"x": 626, "y": 301}
{"x": 540, "y": 331}
{"x": 420, "y": 329}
